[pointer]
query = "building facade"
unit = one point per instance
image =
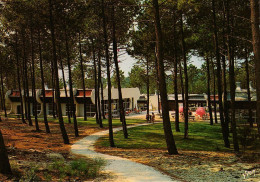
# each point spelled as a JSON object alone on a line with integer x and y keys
{"x": 130, "y": 97}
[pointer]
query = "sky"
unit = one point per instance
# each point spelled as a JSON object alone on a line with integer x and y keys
{"x": 127, "y": 62}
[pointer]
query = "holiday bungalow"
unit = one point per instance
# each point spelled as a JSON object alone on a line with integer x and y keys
{"x": 129, "y": 95}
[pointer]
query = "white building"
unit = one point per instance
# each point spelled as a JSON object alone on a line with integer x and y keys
{"x": 130, "y": 97}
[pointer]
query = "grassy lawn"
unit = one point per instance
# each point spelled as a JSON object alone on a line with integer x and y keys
{"x": 202, "y": 136}
{"x": 90, "y": 121}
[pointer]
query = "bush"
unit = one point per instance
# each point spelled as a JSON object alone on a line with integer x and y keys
{"x": 82, "y": 168}
{"x": 30, "y": 175}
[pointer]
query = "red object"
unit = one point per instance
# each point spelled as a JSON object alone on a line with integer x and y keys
{"x": 87, "y": 93}
{"x": 48, "y": 93}
{"x": 180, "y": 109}
{"x": 200, "y": 111}
{"x": 15, "y": 94}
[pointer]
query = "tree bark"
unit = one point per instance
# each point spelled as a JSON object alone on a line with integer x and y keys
{"x": 232, "y": 82}
{"x": 83, "y": 78}
{"x": 250, "y": 119}
{"x": 3, "y": 95}
{"x": 121, "y": 103}
{"x": 26, "y": 82}
{"x": 147, "y": 90}
{"x": 214, "y": 89}
{"x": 33, "y": 84}
{"x": 71, "y": 87}
{"x": 102, "y": 100}
{"x": 57, "y": 89}
{"x": 208, "y": 90}
{"x": 219, "y": 79}
{"x": 24, "y": 90}
{"x": 186, "y": 85}
{"x": 164, "y": 98}
{"x": 226, "y": 111}
{"x": 5, "y": 167}
{"x": 177, "y": 118}
{"x": 157, "y": 82}
{"x": 99, "y": 85}
{"x": 254, "y": 4}
{"x": 111, "y": 138}
{"x": 95, "y": 79}
{"x": 65, "y": 86}
{"x": 182, "y": 85}
{"x": 53, "y": 91}
{"x": 47, "y": 128}
{"x": 18, "y": 76}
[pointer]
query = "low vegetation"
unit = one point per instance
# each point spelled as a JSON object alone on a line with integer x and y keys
{"x": 202, "y": 137}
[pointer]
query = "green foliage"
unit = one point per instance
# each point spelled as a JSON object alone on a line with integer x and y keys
{"x": 114, "y": 80}
{"x": 137, "y": 78}
{"x": 30, "y": 174}
{"x": 77, "y": 168}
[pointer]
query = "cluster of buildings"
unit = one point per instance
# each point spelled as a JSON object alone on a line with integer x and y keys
{"x": 132, "y": 98}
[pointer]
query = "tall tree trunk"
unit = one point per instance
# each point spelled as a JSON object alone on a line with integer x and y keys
{"x": 1, "y": 99}
{"x": 71, "y": 87}
{"x": 102, "y": 100}
{"x": 33, "y": 85}
{"x": 24, "y": 91}
{"x": 83, "y": 78}
{"x": 208, "y": 90}
{"x": 47, "y": 128}
{"x": 163, "y": 90}
{"x": 177, "y": 118}
{"x": 96, "y": 83}
{"x": 223, "y": 124}
{"x": 157, "y": 82}
{"x": 57, "y": 89}
{"x": 111, "y": 138}
{"x": 121, "y": 102}
{"x": 232, "y": 81}
{"x": 18, "y": 76}
{"x": 226, "y": 111}
{"x": 186, "y": 86}
{"x": 3, "y": 95}
{"x": 95, "y": 80}
{"x": 254, "y": 4}
{"x": 182, "y": 85}
{"x": 214, "y": 89}
{"x": 5, "y": 167}
{"x": 1, "y": 103}
{"x": 53, "y": 90}
{"x": 99, "y": 85}
{"x": 250, "y": 119}
{"x": 147, "y": 90}
{"x": 65, "y": 86}
{"x": 26, "y": 82}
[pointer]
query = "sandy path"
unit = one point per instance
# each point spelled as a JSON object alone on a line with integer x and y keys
{"x": 125, "y": 170}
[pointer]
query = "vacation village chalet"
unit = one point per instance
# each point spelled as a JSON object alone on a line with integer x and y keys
{"x": 130, "y": 97}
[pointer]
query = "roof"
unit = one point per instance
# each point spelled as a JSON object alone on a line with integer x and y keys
{"x": 80, "y": 93}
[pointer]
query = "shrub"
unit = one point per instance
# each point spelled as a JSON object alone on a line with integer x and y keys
{"x": 82, "y": 168}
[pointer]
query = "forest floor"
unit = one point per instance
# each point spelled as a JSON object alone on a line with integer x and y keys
{"x": 29, "y": 150}
{"x": 193, "y": 163}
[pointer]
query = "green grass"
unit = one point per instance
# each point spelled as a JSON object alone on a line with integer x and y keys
{"x": 91, "y": 122}
{"x": 202, "y": 137}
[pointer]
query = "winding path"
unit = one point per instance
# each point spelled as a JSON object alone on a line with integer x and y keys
{"x": 125, "y": 169}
